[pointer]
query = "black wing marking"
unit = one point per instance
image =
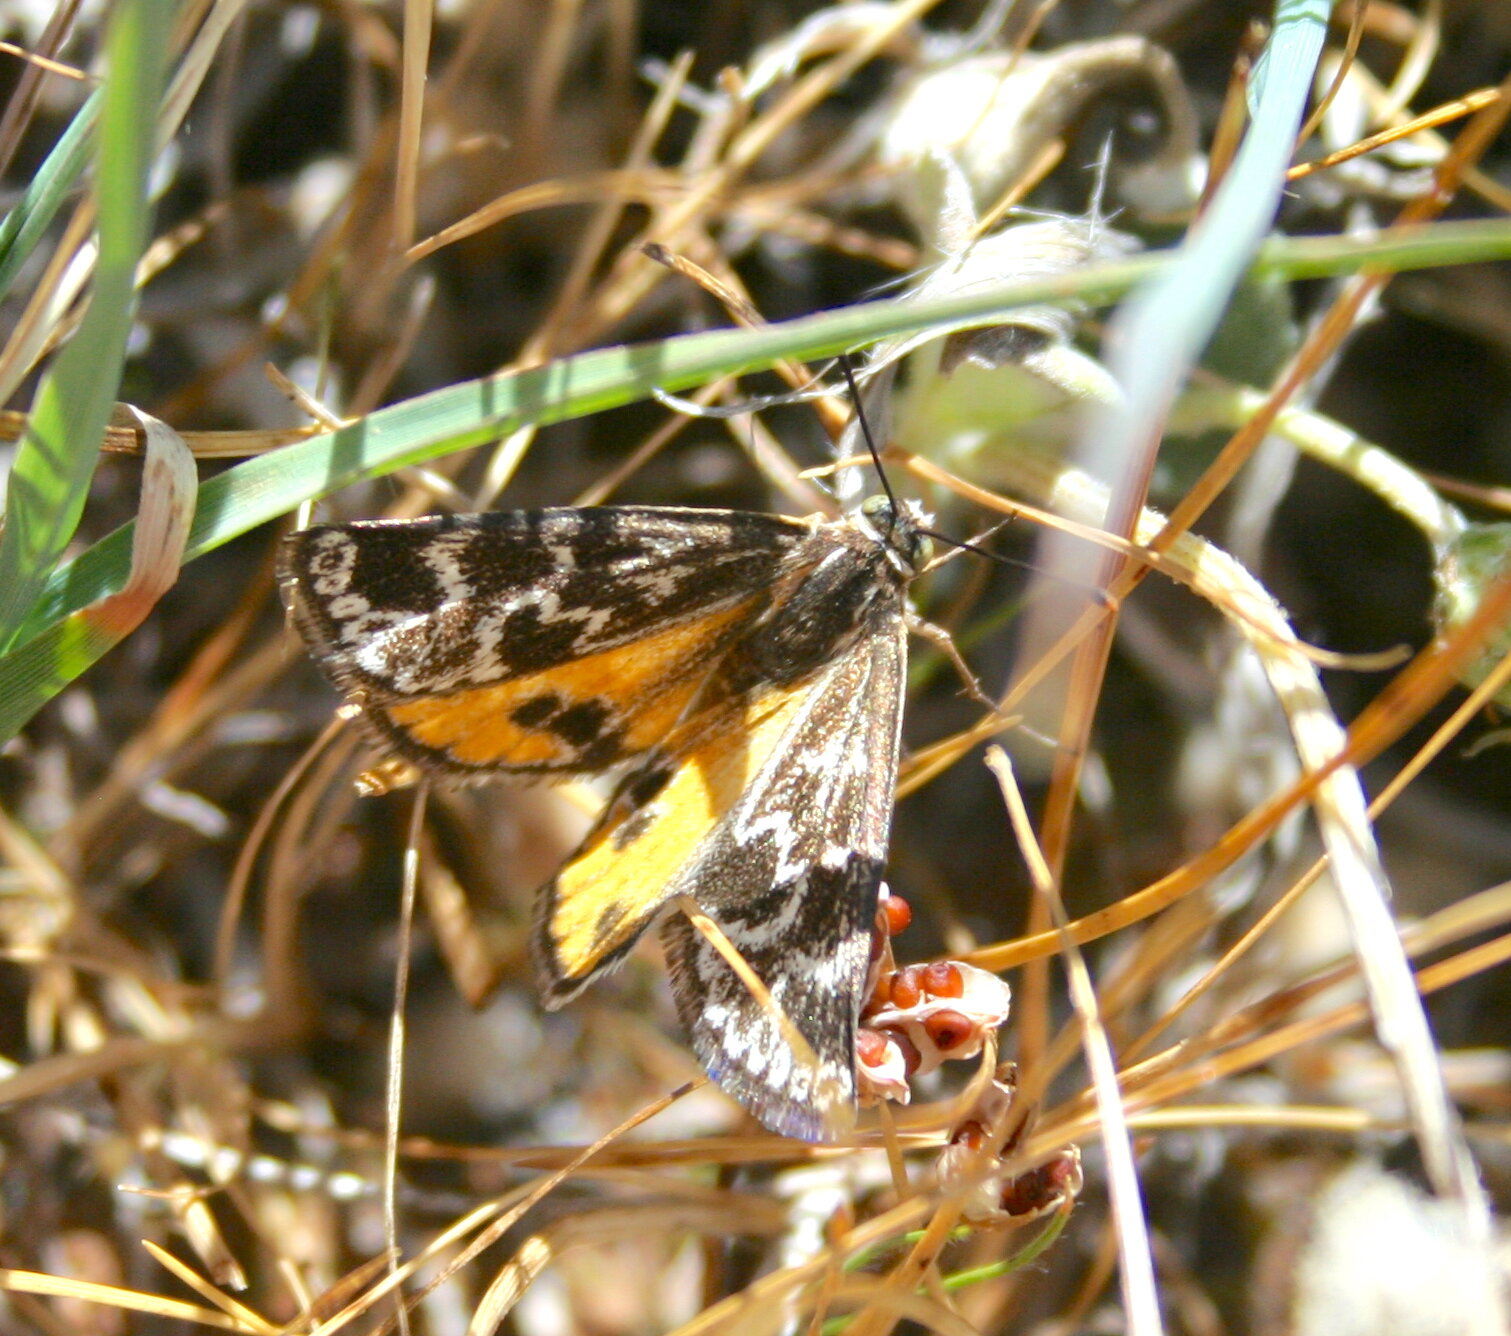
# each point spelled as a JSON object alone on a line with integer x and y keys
{"x": 792, "y": 876}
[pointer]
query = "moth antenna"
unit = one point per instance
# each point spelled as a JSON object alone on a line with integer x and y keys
{"x": 1096, "y": 593}
{"x": 865, "y": 431}
{"x": 973, "y": 545}
{"x": 961, "y": 544}
{"x": 886, "y": 485}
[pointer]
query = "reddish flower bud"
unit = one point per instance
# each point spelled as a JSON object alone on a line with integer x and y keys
{"x": 942, "y": 979}
{"x": 899, "y": 913}
{"x": 969, "y": 1134}
{"x": 948, "y": 1029}
{"x": 906, "y": 991}
{"x": 870, "y": 1047}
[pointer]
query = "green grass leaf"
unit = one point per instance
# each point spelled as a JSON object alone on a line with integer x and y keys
{"x": 57, "y": 455}
{"x": 26, "y": 224}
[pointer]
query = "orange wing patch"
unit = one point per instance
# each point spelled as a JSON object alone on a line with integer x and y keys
{"x": 627, "y": 869}
{"x": 585, "y": 714}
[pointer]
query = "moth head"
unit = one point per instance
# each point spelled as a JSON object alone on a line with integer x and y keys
{"x": 901, "y": 527}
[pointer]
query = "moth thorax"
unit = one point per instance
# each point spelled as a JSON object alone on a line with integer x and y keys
{"x": 823, "y": 613}
{"x": 901, "y": 531}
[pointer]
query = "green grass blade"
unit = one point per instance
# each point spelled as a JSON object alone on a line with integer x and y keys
{"x": 47, "y": 663}
{"x": 475, "y": 412}
{"x": 26, "y": 224}
{"x": 1164, "y": 328}
{"x": 57, "y": 455}
{"x": 41, "y": 667}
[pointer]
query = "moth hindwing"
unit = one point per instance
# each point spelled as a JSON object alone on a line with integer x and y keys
{"x": 747, "y": 672}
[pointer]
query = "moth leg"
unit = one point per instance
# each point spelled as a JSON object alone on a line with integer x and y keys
{"x": 944, "y": 642}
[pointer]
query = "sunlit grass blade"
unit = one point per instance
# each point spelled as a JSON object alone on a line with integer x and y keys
{"x": 56, "y": 459}
{"x": 27, "y": 223}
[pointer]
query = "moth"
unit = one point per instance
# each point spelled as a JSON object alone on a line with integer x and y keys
{"x": 742, "y": 672}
